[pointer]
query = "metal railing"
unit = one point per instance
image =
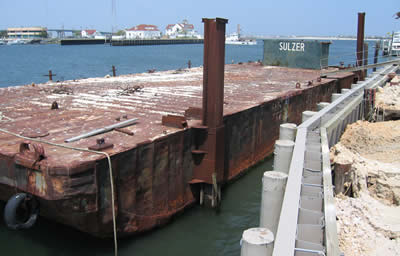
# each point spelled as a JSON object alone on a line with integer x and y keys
{"x": 309, "y": 190}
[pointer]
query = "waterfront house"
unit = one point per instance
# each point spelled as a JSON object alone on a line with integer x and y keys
{"x": 143, "y": 31}
{"x": 88, "y": 33}
{"x": 181, "y": 30}
{"x": 27, "y": 33}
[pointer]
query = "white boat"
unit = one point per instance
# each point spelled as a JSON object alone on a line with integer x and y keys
{"x": 2, "y": 42}
{"x": 17, "y": 41}
{"x": 395, "y": 50}
{"x": 235, "y": 39}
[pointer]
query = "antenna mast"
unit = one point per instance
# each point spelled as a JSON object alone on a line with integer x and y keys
{"x": 114, "y": 16}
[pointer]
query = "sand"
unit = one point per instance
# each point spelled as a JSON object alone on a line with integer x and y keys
{"x": 368, "y": 209}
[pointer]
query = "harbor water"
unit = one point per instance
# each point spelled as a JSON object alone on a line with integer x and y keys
{"x": 197, "y": 231}
{"x": 24, "y": 64}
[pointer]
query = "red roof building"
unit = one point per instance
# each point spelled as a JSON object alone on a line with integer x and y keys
{"x": 88, "y": 33}
{"x": 144, "y": 27}
{"x": 143, "y": 31}
{"x": 183, "y": 29}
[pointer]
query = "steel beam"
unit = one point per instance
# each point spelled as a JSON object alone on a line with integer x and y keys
{"x": 360, "y": 38}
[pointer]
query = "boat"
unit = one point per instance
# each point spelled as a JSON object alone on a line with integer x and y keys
{"x": 236, "y": 39}
{"x": 395, "y": 48}
{"x": 385, "y": 45}
{"x": 125, "y": 154}
{"x": 17, "y": 42}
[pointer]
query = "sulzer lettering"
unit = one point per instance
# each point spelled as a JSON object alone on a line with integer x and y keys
{"x": 291, "y": 47}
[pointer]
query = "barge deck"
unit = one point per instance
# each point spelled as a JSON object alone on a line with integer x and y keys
{"x": 155, "y": 159}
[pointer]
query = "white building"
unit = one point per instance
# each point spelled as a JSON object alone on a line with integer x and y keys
{"x": 143, "y": 31}
{"x": 181, "y": 30}
{"x": 88, "y": 33}
{"x": 29, "y": 33}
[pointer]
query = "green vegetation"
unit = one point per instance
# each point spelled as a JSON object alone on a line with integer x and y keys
{"x": 120, "y": 33}
{"x": 43, "y": 34}
{"x": 77, "y": 33}
{"x": 3, "y": 33}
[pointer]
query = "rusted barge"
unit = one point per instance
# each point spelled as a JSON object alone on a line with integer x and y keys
{"x": 197, "y": 129}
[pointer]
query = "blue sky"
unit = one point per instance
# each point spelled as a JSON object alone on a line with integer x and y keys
{"x": 263, "y": 17}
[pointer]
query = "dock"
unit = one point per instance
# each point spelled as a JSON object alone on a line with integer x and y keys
{"x": 130, "y": 42}
{"x": 133, "y": 42}
{"x": 80, "y": 41}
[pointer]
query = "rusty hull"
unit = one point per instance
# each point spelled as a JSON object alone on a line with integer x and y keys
{"x": 153, "y": 163}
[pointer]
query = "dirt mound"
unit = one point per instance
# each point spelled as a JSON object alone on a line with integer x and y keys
{"x": 376, "y": 141}
{"x": 369, "y": 217}
{"x": 388, "y": 96}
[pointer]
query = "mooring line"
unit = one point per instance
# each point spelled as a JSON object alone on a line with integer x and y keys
{"x": 90, "y": 151}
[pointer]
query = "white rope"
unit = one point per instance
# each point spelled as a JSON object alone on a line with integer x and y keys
{"x": 85, "y": 150}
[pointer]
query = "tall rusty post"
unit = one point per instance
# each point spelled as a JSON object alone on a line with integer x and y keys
{"x": 360, "y": 40}
{"x": 376, "y": 54}
{"x": 189, "y": 64}
{"x": 213, "y": 72}
{"x": 365, "y": 56}
{"x": 210, "y": 170}
{"x": 113, "y": 71}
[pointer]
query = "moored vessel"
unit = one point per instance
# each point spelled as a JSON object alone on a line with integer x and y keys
{"x": 185, "y": 144}
{"x": 236, "y": 39}
{"x": 395, "y": 46}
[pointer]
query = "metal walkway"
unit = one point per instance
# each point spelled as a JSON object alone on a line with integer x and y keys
{"x": 307, "y": 224}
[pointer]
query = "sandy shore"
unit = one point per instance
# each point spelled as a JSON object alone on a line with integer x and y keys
{"x": 368, "y": 209}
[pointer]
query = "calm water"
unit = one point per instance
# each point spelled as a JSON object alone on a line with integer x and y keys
{"x": 198, "y": 231}
{"x": 24, "y": 64}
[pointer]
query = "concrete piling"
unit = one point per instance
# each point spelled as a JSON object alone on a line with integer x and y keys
{"x": 344, "y": 90}
{"x": 283, "y": 155}
{"x": 287, "y": 131}
{"x": 274, "y": 185}
{"x": 306, "y": 115}
{"x": 335, "y": 96}
{"x": 322, "y": 105}
{"x": 257, "y": 242}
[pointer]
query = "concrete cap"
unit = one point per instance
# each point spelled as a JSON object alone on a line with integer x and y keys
{"x": 258, "y": 236}
{"x": 308, "y": 113}
{"x": 284, "y": 143}
{"x": 275, "y": 175}
{"x": 289, "y": 125}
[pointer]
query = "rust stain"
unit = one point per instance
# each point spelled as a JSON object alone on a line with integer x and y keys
{"x": 154, "y": 167}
